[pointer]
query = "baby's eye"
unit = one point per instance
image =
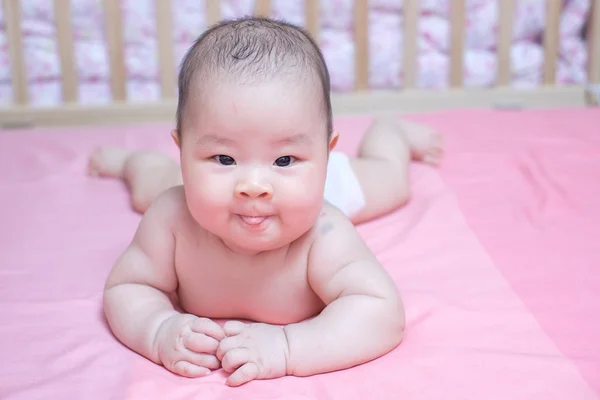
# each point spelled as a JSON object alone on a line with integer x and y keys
{"x": 284, "y": 161}
{"x": 224, "y": 160}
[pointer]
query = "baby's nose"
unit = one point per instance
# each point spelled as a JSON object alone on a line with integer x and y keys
{"x": 254, "y": 190}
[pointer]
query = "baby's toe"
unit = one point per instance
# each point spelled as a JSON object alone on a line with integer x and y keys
{"x": 95, "y": 163}
{"x": 432, "y": 159}
{"x": 108, "y": 162}
{"x": 438, "y": 140}
{"x": 433, "y": 153}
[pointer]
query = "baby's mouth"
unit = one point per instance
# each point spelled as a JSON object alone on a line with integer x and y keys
{"x": 252, "y": 220}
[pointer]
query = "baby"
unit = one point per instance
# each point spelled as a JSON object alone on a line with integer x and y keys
{"x": 240, "y": 230}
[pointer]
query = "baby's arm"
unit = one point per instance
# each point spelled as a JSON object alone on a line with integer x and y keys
{"x": 364, "y": 316}
{"x": 137, "y": 304}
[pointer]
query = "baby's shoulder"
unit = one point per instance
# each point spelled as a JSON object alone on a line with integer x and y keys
{"x": 335, "y": 244}
{"x": 329, "y": 218}
{"x": 168, "y": 208}
{"x": 333, "y": 228}
{"x": 172, "y": 198}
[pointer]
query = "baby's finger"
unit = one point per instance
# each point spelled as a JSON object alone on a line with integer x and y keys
{"x": 233, "y": 328}
{"x": 228, "y": 344}
{"x": 203, "y": 360}
{"x": 208, "y": 327}
{"x": 189, "y": 370}
{"x": 235, "y": 358}
{"x": 200, "y": 343}
{"x": 244, "y": 374}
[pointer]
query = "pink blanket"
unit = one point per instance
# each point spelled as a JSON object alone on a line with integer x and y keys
{"x": 494, "y": 257}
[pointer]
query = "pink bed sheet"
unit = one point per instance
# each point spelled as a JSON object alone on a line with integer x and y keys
{"x": 494, "y": 256}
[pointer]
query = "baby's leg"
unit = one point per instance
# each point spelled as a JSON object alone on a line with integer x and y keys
{"x": 147, "y": 174}
{"x": 383, "y": 163}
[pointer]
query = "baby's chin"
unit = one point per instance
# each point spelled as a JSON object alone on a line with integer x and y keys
{"x": 250, "y": 236}
{"x": 248, "y": 242}
{"x": 247, "y": 246}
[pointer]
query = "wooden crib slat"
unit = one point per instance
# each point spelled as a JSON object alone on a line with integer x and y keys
{"x": 213, "y": 12}
{"x": 551, "y": 38}
{"x": 164, "y": 32}
{"x": 12, "y": 19}
{"x": 262, "y": 8}
{"x": 457, "y": 42}
{"x": 593, "y": 36}
{"x": 64, "y": 35}
{"x": 506, "y": 10}
{"x": 312, "y": 11}
{"x": 361, "y": 42}
{"x": 411, "y": 35}
{"x": 113, "y": 18}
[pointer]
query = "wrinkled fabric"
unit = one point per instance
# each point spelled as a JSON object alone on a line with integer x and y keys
{"x": 495, "y": 256}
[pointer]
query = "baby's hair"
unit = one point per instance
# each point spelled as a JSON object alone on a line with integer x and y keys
{"x": 253, "y": 50}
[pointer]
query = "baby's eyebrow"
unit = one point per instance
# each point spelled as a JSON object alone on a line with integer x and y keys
{"x": 207, "y": 139}
{"x": 299, "y": 138}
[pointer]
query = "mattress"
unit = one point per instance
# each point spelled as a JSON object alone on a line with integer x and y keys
{"x": 494, "y": 257}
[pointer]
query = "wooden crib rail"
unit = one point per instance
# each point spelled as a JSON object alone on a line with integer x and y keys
{"x": 411, "y": 10}
{"x": 312, "y": 21}
{"x": 411, "y": 33}
{"x": 164, "y": 26}
{"x": 361, "y": 45}
{"x": 506, "y": 11}
{"x": 457, "y": 42}
{"x": 12, "y": 16}
{"x": 593, "y": 34}
{"x": 551, "y": 40}
{"x": 64, "y": 34}
{"x": 113, "y": 18}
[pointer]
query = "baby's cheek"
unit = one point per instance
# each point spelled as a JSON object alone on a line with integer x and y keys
{"x": 302, "y": 194}
{"x": 207, "y": 193}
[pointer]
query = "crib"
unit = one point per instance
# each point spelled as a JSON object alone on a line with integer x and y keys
{"x": 359, "y": 98}
{"x": 495, "y": 255}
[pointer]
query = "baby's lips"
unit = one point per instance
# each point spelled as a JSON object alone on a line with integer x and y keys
{"x": 252, "y": 220}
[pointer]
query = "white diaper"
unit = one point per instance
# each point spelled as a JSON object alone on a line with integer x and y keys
{"x": 342, "y": 188}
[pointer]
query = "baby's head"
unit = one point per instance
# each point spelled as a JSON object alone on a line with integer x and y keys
{"x": 254, "y": 127}
{"x": 252, "y": 51}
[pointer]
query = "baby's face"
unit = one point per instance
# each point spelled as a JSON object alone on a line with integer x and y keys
{"x": 254, "y": 161}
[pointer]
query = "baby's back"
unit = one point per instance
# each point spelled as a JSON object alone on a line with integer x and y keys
{"x": 216, "y": 283}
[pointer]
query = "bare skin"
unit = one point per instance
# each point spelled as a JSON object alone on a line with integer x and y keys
{"x": 273, "y": 288}
{"x": 382, "y": 167}
{"x": 259, "y": 244}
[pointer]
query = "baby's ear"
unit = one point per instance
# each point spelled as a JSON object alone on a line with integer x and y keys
{"x": 333, "y": 140}
{"x": 175, "y": 136}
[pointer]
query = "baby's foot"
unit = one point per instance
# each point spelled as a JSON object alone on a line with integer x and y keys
{"x": 426, "y": 144}
{"x": 108, "y": 161}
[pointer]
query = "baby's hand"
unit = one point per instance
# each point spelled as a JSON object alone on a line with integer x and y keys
{"x": 256, "y": 351}
{"x": 187, "y": 345}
